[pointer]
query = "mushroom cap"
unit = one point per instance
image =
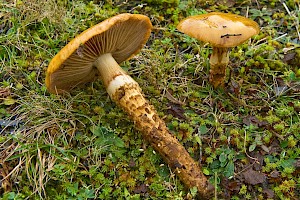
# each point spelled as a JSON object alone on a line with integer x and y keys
{"x": 123, "y": 36}
{"x": 219, "y": 29}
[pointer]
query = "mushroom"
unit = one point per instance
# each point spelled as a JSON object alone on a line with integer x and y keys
{"x": 98, "y": 52}
{"x": 222, "y": 31}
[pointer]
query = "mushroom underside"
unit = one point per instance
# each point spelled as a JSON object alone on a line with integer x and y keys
{"x": 80, "y": 68}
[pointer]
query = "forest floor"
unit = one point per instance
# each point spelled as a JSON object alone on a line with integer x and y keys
{"x": 245, "y": 136}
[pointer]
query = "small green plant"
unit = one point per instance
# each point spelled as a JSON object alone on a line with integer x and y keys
{"x": 108, "y": 142}
{"x": 224, "y": 165}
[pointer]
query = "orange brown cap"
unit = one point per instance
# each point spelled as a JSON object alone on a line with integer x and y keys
{"x": 123, "y": 36}
{"x": 219, "y": 29}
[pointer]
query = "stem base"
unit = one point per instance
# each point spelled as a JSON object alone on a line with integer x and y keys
{"x": 218, "y": 63}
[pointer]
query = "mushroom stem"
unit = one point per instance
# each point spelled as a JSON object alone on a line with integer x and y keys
{"x": 128, "y": 95}
{"x": 108, "y": 68}
{"x": 218, "y": 63}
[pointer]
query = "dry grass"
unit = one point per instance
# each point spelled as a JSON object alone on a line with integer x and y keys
{"x": 47, "y": 129}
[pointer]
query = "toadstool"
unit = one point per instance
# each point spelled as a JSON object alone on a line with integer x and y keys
{"x": 222, "y": 31}
{"x": 97, "y": 52}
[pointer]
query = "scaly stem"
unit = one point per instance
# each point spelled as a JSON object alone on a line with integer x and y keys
{"x": 218, "y": 63}
{"x": 109, "y": 70}
{"x": 128, "y": 95}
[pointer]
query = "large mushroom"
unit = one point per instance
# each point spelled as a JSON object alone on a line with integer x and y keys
{"x": 97, "y": 52}
{"x": 222, "y": 31}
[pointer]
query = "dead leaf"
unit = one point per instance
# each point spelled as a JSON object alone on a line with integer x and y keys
{"x": 234, "y": 87}
{"x": 275, "y": 174}
{"x": 258, "y": 161}
{"x": 297, "y": 163}
{"x": 253, "y": 120}
{"x": 232, "y": 185}
{"x": 176, "y": 110}
{"x": 269, "y": 193}
{"x": 131, "y": 163}
{"x": 253, "y": 177}
{"x": 275, "y": 147}
{"x": 288, "y": 57}
{"x": 228, "y": 3}
{"x": 143, "y": 188}
{"x": 173, "y": 99}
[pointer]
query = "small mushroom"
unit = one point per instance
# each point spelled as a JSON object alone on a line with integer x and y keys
{"x": 98, "y": 52}
{"x": 222, "y": 31}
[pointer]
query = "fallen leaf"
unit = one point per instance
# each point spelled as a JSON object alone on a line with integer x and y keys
{"x": 228, "y": 3}
{"x": 297, "y": 163}
{"x": 269, "y": 193}
{"x": 234, "y": 87}
{"x": 143, "y": 188}
{"x": 274, "y": 147}
{"x": 275, "y": 174}
{"x": 274, "y": 177}
{"x": 171, "y": 98}
{"x": 258, "y": 162}
{"x": 253, "y": 120}
{"x": 176, "y": 110}
{"x": 253, "y": 177}
{"x": 131, "y": 163}
{"x": 289, "y": 57}
{"x": 231, "y": 186}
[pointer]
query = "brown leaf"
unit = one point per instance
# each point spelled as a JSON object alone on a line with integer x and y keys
{"x": 253, "y": 120}
{"x": 280, "y": 82}
{"x": 275, "y": 147}
{"x": 176, "y": 110}
{"x": 131, "y": 163}
{"x": 258, "y": 161}
{"x": 228, "y": 3}
{"x": 232, "y": 185}
{"x": 143, "y": 188}
{"x": 275, "y": 174}
{"x": 289, "y": 57}
{"x": 297, "y": 163}
{"x": 253, "y": 177}
{"x": 171, "y": 98}
{"x": 234, "y": 87}
{"x": 269, "y": 193}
